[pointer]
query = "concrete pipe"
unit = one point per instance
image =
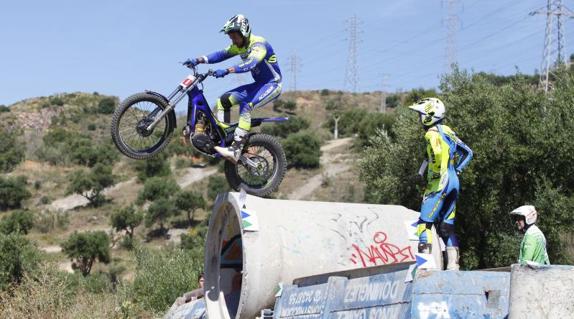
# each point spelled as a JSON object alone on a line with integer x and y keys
{"x": 254, "y": 244}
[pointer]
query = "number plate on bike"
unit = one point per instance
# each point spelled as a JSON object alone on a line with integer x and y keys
{"x": 187, "y": 81}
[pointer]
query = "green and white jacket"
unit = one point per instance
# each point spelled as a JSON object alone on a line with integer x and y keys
{"x": 533, "y": 247}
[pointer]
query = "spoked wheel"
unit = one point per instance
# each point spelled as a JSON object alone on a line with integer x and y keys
{"x": 262, "y": 171}
{"x": 130, "y": 122}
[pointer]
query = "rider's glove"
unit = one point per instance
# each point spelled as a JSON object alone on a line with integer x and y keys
{"x": 190, "y": 63}
{"x": 221, "y": 73}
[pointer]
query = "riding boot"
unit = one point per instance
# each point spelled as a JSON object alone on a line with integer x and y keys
{"x": 233, "y": 152}
{"x": 452, "y": 257}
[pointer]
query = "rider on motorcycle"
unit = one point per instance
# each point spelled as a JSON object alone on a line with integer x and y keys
{"x": 258, "y": 57}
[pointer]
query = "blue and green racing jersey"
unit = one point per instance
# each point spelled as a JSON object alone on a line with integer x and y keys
{"x": 258, "y": 57}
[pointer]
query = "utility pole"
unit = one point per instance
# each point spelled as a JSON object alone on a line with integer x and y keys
{"x": 351, "y": 69}
{"x": 452, "y": 25}
{"x": 553, "y": 52}
{"x": 384, "y": 87}
{"x": 294, "y": 68}
{"x": 336, "y": 130}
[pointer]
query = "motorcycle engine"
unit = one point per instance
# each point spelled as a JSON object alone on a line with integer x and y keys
{"x": 203, "y": 143}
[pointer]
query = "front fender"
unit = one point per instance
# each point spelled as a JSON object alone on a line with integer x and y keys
{"x": 171, "y": 115}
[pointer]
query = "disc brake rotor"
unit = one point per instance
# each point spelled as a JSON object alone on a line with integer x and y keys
{"x": 259, "y": 166}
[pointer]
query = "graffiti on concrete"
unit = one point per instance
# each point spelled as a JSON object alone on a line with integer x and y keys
{"x": 380, "y": 252}
{"x": 435, "y": 310}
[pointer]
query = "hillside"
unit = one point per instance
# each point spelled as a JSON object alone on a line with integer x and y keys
{"x": 68, "y": 133}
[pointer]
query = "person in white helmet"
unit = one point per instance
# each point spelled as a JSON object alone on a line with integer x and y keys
{"x": 447, "y": 156}
{"x": 533, "y": 246}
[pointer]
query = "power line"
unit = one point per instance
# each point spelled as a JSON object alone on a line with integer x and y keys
{"x": 452, "y": 24}
{"x": 294, "y": 68}
{"x": 351, "y": 70}
{"x": 553, "y": 52}
{"x": 465, "y": 47}
{"x": 384, "y": 86}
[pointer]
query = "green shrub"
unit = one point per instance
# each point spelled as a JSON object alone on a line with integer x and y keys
{"x": 282, "y": 105}
{"x": 20, "y": 221}
{"x": 97, "y": 283}
{"x": 189, "y": 202}
{"x": 62, "y": 147}
{"x": 416, "y": 95}
{"x": 18, "y": 257}
{"x": 393, "y": 100}
{"x": 128, "y": 243}
{"x": 162, "y": 276}
{"x": 195, "y": 239}
{"x": 13, "y": 192}
{"x": 370, "y": 125}
{"x": 158, "y": 188}
{"x": 126, "y": 219}
{"x": 183, "y": 163}
{"x": 91, "y": 184}
{"x": 283, "y": 129}
{"x": 512, "y": 128}
{"x": 216, "y": 184}
{"x": 159, "y": 211}
{"x": 107, "y": 105}
{"x": 349, "y": 121}
{"x": 156, "y": 166}
{"x": 56, "y": 100}
{"x": 85, "y": 248}
{"x": 11, "y": 151}
{"x": 303, "y": 150}
{"x": 45, "y": 200}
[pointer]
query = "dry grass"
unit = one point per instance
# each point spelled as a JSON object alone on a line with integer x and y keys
{"x": 50, "y": 294}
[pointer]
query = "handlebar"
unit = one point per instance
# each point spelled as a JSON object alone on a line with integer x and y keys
{"x": 201, "y": 76}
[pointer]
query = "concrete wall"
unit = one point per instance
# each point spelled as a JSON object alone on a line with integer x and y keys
{"x": 541, "y": 292}
{"x": 253, "y": 244}
{"x": 432, "y": 295}
{"x": 460, "y": 294}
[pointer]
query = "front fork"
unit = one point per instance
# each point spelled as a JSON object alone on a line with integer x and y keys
{"x": 177, "y": 95}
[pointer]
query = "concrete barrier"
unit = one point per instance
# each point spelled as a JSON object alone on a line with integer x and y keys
{"x": 432, "y": 295}
{"x": 253, "y": 244}
{"x": 377, "y": 296}
{"x": 460, "y": 294}
{"x": 541, "y": 292}
{"x": 192, "y": 310}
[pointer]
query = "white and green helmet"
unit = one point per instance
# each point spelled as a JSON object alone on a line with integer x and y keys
{"x": 431, "y": 110}
{"x": 238, "y": 23}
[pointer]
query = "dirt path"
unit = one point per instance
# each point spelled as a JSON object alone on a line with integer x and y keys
{"x": 192, "y": 175}
{"x": 75, "y": 200}
{"x": 331, "y": 167}
{"x": 51, "y": 249}
{"x": 195, "y": 174}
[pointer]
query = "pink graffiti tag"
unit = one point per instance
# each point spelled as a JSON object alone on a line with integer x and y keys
{"x": 381, "y": 252}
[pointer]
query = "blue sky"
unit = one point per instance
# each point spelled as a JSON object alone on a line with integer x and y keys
{"x": 122, "y": 47}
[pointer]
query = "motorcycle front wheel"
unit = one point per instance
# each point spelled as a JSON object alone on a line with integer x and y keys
{"x": 130, "y": 122}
